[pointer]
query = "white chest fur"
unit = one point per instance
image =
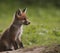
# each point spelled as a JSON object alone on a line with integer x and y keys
{"x": 19, "y": 32}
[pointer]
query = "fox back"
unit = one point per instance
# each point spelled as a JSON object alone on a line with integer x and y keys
{"x": 12, "y": 36}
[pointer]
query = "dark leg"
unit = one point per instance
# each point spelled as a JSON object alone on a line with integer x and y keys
{"x": 15, "y": 45}
{"x": 20, "y": 44}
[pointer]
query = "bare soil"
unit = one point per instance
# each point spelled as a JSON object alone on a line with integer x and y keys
{"x": 41, "y": 49}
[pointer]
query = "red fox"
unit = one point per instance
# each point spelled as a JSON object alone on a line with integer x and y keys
{"x": 12, "y": 36}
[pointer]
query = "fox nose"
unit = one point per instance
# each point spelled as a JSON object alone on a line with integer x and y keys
{"x": 28, "y": 22}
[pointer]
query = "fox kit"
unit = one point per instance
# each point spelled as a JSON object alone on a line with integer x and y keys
{"x": 12, "y": 36}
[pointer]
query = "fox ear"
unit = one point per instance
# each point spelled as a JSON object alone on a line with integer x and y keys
{"x": 24, "y": 10}
{"x": 19, "y": 12}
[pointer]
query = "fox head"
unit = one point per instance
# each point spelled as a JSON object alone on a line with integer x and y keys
{"x": 20, "y": 15}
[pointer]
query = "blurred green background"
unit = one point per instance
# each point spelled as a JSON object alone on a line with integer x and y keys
{"x": 44, "y": 16}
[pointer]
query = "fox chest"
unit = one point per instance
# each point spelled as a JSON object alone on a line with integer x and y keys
{"x": 18, "y": 33}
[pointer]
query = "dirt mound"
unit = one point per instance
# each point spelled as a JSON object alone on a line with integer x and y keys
{"x": 42, "y": 49}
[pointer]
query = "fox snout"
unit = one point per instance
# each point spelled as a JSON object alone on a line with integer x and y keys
{"x": 26, "y": 23}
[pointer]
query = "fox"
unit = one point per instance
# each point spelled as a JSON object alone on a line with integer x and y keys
{"x": 12, "y": 36}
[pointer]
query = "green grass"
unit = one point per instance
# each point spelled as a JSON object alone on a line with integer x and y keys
{"x": 45, "y": 23}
